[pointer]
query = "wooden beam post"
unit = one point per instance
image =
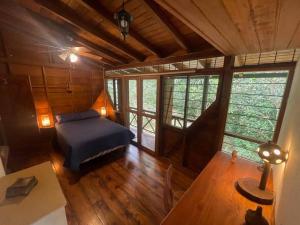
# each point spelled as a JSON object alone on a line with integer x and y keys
{"x": 54, "y": 28}
{"x": 108, "y": 16}
{"x": 226, "y": 82}
{"x": 155, "y": 8}
{"x": 65, "y": 13}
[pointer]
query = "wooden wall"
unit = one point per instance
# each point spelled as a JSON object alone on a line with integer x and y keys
{"x": 34, "y": 82}
{"x": 49, "y": 77}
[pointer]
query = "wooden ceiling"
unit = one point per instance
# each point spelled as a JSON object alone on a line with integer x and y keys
{"x": 154, "y": 33}
{"x": 162, "y": 28}
{"x": 241, "y": 26}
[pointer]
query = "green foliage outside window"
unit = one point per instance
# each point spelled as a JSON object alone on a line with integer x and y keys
{"x": 201, "y": 93}
{"x": 254, "y": 107}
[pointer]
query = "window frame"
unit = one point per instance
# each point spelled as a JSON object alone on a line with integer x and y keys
{"x": 274, "y": 67}
{"x": 208, "y": 72}
{"x": 116, "y": 93}
{"x": 264, "y": 68}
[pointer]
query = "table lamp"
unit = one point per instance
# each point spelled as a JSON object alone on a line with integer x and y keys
{"x": 255, "y": 190}
{"x": 103, "y": 112}
{"x": 45, "y": 120}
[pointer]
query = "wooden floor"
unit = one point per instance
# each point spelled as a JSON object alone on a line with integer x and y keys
{"x": 118, "y": 189}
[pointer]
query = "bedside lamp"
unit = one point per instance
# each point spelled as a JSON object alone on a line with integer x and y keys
{"x": 45, "y": 120}
{"x": 270, "y": 153}
{"x": 103, "y": 111}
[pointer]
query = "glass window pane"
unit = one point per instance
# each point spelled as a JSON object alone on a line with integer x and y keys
{"x": 132, "y": 94}
{"x": 117, "y": 94}
{"x": 201, "y": 94}
{"x": 148, "y": 133}
{"x": 110, "y": 89}
{"x": 254, "y": 107}
{"x": 133, "y": 124}
{"x": 174, "y": 100}
{"x": 245, "y": 149}
{"x": 149, "y": 95}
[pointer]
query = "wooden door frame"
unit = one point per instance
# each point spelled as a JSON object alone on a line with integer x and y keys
{"x": 157, "y": 114}
{"x": 140, "y": 113}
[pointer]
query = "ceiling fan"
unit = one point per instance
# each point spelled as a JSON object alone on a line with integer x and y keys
{"x": 64, "y": 53}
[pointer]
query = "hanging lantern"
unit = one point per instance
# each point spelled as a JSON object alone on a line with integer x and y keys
{"x": 124, "y": 19}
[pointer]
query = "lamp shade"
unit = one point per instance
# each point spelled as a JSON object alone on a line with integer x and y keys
{"x": 103, "y": 111}
{"x": 272, "y": 153}
{"x": 45, "y": 120}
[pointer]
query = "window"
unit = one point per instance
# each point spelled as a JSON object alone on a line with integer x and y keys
{"x": 254, "y": 107}
{"x": 112, "y": 86}
{"x": 186, "y": 97}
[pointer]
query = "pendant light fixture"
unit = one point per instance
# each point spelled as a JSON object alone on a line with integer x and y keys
{"x": 123, "y": 19}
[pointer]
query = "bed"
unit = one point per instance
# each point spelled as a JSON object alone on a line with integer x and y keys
{"x": 85, "y": 136}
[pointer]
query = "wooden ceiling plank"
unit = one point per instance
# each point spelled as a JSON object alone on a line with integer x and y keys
{"x": 216, "y": 14}
{"x": 68, "y": 15}
{"x": 287, "y": 33}
{"x": 241, "y": 15}
{"x": 167, "y": 24}
{"x": 105, "y": 14}
{"x": 187, "y": 13}
{"x": 264, "y": 17}
{"x": 53, "y": 26}
{"x": 237, "y": 27}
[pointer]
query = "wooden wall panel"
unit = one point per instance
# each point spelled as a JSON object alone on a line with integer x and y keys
{"x": 171, "y": 139}
{"x": 49, "y": 83}
{"x": 23, "y": 69}
{"x": 57, "y": 77}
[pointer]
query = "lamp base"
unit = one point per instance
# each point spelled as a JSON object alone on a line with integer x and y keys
{"x": 250, "y": 189}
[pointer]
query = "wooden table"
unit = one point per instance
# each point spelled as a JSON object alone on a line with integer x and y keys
{"x": 212, "y": 198}
{"x": 44, "y": 205}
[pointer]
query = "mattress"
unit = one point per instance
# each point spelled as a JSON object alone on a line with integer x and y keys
{"x": 86, "y": 138}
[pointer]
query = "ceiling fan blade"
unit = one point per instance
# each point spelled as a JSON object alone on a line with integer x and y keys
{"x": 64, "y": 56}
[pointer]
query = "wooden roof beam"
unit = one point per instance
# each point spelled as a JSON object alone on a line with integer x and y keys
{"x": 179, "y": 38}
{"x": 65, "y": 13}
{"x": 173, "y": 59}
{"x": 108, "y": 16}
{"x": 53, "y": 26}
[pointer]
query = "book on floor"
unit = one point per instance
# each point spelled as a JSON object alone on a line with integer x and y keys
{"x": 21, "y": 187}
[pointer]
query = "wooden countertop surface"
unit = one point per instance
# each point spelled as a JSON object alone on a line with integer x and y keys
{"x": 212, "y": 198}
{"x": 44, "y": 198}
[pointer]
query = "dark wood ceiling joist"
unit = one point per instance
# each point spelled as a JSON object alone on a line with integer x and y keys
{"x": 160, "y": 15}
{"x": 208, "y": 53}
{"x": 108, "y": 16}
{"x": 74, "y": 39}
{"x": 68, "y": 15}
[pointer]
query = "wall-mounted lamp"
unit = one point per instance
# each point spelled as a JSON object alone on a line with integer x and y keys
{"x": 103, "y": 111}
{"x": 45, "y": 120}
{"x": 254, "y": 190}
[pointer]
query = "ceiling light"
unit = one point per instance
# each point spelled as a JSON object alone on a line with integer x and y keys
{"x": 73, "y": 58}
{"x": 123, "y": 19}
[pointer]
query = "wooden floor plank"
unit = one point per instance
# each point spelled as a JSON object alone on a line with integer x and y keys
{"x": 117, "y": 189}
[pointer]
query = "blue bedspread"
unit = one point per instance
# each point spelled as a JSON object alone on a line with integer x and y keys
{"x": 82, "y": 139}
